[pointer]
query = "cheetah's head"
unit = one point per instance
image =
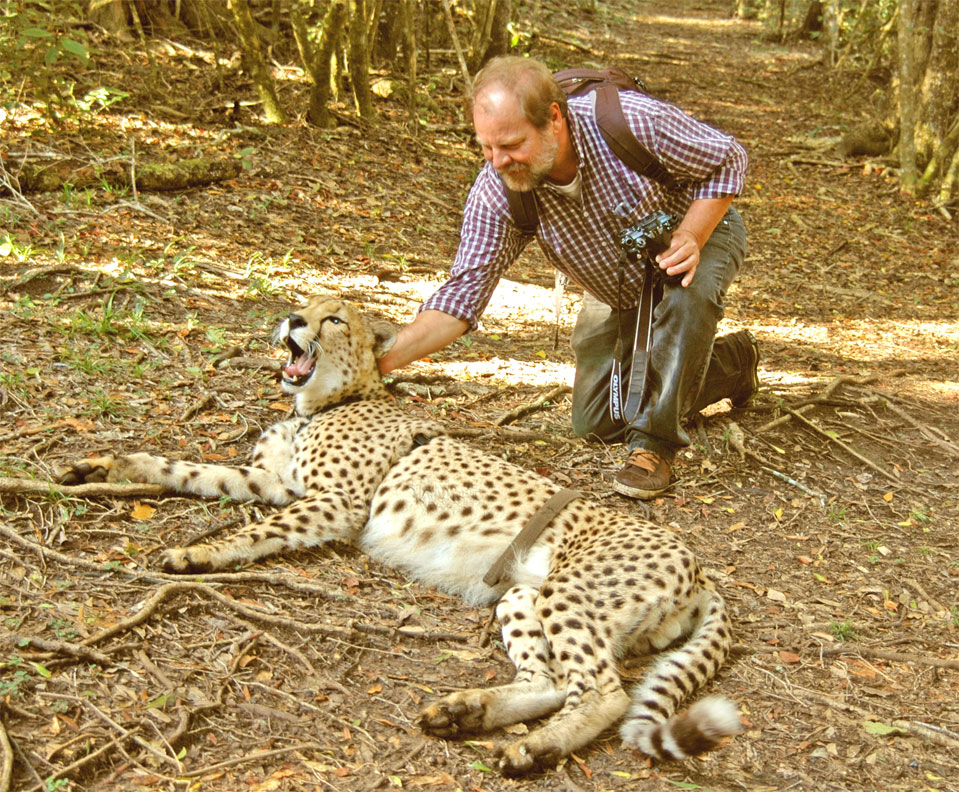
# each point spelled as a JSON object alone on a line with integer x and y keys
{"x": 332, "y": 354}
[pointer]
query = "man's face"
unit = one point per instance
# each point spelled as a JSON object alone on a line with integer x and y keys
{"x": 522, "y": 154}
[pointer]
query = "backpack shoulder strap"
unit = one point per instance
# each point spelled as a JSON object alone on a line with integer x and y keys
{"x": 576, "y": 82}
{"x": 621, "y": 140}
{"x": 522, "y": 208}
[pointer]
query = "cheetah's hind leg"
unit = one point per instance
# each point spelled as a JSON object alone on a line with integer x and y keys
{"x": 534, "y": 691}
{"x": 594, "y": 700}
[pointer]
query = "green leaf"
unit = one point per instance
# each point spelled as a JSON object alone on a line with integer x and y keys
{"x": 881, "y": 729}
{"x": 75, "y": 48}
{"x": 159, "y": 702}
{"x": 37, "y": 33}
{"x": 51, "y": 56}
{"x": 42, "y": 670}
{"x": 478, "y": 765}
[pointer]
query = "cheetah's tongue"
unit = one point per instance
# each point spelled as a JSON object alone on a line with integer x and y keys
{"x": 300, "y": 368}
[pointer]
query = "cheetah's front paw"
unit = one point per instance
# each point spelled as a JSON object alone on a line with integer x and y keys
{"x": 87, "y": 471}
{"x": 463, "y": 712}
{"x": 139, "y": 468}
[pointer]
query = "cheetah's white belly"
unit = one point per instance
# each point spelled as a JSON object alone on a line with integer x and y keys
{"x": 450, "y": 552}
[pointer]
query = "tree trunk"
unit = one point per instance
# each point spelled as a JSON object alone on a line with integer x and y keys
{"x": 922, "y": 99}
{"x": 410, "y": 55}
{"x": 939, "y": 93}
{"x": 907, "y": 97}
{"x": 359, "y": 65}
{"x": 317, "y": 60}
{"x": 829, "y": 25}
{"x": 111, "y": 15}
{"x": 929, "y": 95}
{"x": 255, "y": 62}
{"x": 491, "y": 32}
{"x": 451, "y": 27}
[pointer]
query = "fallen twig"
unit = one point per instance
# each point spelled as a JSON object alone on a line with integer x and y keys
{"x": 848, "y": 449}
{"x": 896, "y": 657}
{"x": 65, "y": 771}
{"x": 66, "y": 648}
{"x": 923, "y": 731}
{"x": 831, "y": 388}
{"x": 7, "y": 181}
{"x": 565, "y": 42}
{"x": 160, "y": 577}
{"x": 295, "y": 653}
{"x": 916, "y": 586}
{"x": 270, "y": 364}
{"x": 18, "y": 486}
{"x": 928, "y": 432}
{"x": 525, "y": 409}
{"x": 166, "y": 591}
{"x": 27, "y": 431}
{"x": 823, "y": 163}
{"x": 132, "y": 735}
{"x": 6, "y": 760}
{"x": 253, "y": 757}
{"x": 197, "y": 406}
{"x": 797, "y": 484}
{"x": 737, "y": 441}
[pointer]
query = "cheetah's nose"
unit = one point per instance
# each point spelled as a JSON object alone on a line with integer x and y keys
{"x": 295, "y": 321}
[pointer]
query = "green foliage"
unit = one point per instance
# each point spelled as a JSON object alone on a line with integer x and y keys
{"x": 10, "y": 247}
{"x": 842, "y": 631}
{"x": 35, "y": 39}
{"x": 44, "y": 51}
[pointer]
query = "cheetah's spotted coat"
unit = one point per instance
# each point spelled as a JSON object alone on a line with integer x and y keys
{"x": 597, "y": 584}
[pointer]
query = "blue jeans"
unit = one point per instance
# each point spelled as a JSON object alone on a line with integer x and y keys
{"x": 688, "y": 366}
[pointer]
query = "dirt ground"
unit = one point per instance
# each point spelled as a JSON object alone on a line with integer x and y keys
{"x": 833, "y": 539}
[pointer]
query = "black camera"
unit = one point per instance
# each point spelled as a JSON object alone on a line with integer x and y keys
{"x": 650, "y": 236}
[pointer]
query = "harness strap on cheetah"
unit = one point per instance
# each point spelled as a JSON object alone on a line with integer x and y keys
{"x": 524, "y": 539}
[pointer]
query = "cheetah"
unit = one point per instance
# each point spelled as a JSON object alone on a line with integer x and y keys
{"x": 595, "y": 586}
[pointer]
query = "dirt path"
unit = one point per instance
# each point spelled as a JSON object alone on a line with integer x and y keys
{"x": 834, "y": 540}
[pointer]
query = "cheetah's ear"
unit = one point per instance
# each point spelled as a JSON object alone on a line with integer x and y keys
{"x": 384, "y": 334}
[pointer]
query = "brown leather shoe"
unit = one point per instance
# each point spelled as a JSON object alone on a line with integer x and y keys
{"x": 644, "y": 475}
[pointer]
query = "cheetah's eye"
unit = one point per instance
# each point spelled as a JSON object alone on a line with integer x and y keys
{"x": 333, "y": 319}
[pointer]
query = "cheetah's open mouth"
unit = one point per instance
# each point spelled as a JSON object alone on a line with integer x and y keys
{"x": 299, "y": 368}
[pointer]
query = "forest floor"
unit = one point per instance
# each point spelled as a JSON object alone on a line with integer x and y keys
{"x": 834, "y": 540}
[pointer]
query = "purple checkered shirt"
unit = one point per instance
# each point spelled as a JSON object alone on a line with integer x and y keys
{"x": 582, "y": 239}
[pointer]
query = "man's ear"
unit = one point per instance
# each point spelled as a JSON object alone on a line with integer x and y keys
{"x": 384, "y": 336}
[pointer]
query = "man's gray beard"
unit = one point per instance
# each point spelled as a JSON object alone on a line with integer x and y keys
{"x": 529, "y": 176}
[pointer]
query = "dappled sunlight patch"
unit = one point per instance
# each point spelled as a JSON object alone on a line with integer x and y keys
{"x": 538, "y": 371}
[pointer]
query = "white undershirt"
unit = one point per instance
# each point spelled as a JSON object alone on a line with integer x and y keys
{"x": 573, "y": 190}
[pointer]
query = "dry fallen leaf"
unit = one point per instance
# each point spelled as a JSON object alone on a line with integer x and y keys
{"x": 142, "y": 511}
{"x": 789, "y": 657}
{"x": 775, "y": 596}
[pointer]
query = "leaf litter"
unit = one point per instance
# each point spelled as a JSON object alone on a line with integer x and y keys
{"x": 307, "y": 671}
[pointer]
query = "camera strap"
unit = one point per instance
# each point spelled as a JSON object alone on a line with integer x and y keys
{"x": 626, "y": 408}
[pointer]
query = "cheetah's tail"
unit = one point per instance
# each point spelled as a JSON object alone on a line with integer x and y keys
{"x": 652, "y": 724}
